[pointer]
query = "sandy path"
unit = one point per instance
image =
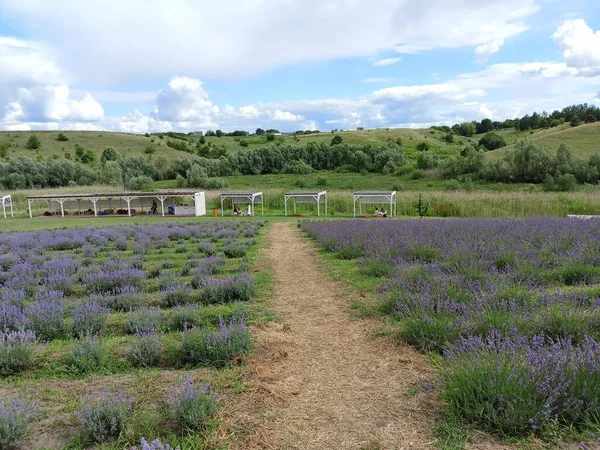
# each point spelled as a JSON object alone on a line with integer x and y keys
{"x": 322, "y": 381}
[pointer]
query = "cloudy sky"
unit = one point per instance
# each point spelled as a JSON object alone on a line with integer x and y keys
{"x": 158, "y": 65}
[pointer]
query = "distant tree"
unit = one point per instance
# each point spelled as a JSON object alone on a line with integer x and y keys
{"x": 467, "y": 129}
{"x": 492, "y": 141}
{"x": 556, "y": 122}
{"x": 149, "y": 149}
{"x": 427, "y": 160}
{"x": 575, "y": 121}
{"x": 111, "y": 174}
{"x": 202, "y": 140}
{"x": 423, "y": 146}
{"x": 270, "y": 137}
{"x": 88, "y": 156}
{"x": 210, "y": 133}
{"x": 336, "y": 140}
{"x": 590, "y": 119}
{"x": 109, "y": 154}
{"x": 219, "y": 133}
{"x": 33, "y": 142}
{"x": 62, "y": 137}
{"x": 243, "y": 142}
{"x": 79, "y": 151}
{"x": 3, "y": 150}
{"x": 260, "y": 132}
{"x": 272, "y": 130}
{"x": 449, "y": 138}
{"x": 484, "y": 126}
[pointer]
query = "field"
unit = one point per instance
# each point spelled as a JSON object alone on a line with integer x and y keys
{"x": 123, "y": 332}
{"x": 507, "y": 310}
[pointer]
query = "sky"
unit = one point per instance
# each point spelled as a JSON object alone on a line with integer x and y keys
{"x": 141, "y": 66}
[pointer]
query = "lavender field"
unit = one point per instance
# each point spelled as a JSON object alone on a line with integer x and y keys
{"x": 512, "y": 307}
{"x": 76, "y": 303}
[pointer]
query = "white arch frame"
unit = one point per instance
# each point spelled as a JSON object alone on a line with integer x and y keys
{"x": 306, "y": 197}
{"x": 244, "y": 198}
{"x": 6, "y": 200}
{"x": 374, "y": 198}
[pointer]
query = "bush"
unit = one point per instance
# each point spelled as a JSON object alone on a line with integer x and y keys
{"x": 492, "y": 141}
{"x": 176, "y": 295}
{"x": 156, "y": 444}
{"x": 122, "y": 299}
{"x": 62, "y": 137}
{"x": 207, "y": 248}
{"x": 417, "y": 174}
{"x": 88, "y": 354}
{"x": 15, "y": 416}
{"x": 216, "y": 348}
{"x": 105, "y": 415}
{"x": 191, "y": 406}
{"x": 321, "y": 181}
{"x": 423, "y": 146}
{"x": 449, "y": 138}
{"x": 146, "y": 319}
{"x": 427, "y": 160}
{"x": 140, "y": 183}
{"x": 46, "y": 319}
{"x": 227, "y": 290}
{"x": 16, "y": 351}
{"x": 145, "y": 349}
{"x": 184, "y": 317}
{"x": 337, "y": 140}
{"x": 297, "y": 167}
{"x": 243, "y": 143}
{"x": 234, "y": 250}
{"x": 33, "y": 142}
{"x": 210, "y": 265}
{"x": 88, "y": 318}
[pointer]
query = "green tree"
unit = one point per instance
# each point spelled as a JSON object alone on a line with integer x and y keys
{"x": 575, "y": 121}
{"x": 79, "y": 151}
{"x": 111, "y": 173}
{"x": 467, "y": 129}
{"x": 260, "y": 132}
{"x": 219, "y": 133}
{"x": 449, "y": 138}
{"x": 336, "y": 140}
{"x": 423, "y": 146}
{"x": 33, "y": 142}
{"x": 270, "y": 137}
{"x": 531, "y": 162}
{"x": 202, "y": 140}
{"x": 492, "y": 141}
{"x": 62, "y": 137}
{"x": 88, "y": 156}
{"x": 3, "y": 150}
{"x": 109, "y": 154}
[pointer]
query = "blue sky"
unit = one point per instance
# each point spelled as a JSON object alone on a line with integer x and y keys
{"x": 154, "y": 65}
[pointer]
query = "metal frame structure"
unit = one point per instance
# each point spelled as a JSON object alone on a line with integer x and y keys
{"x": 244, "y": 198}
{"x": 306, "y": 197}
{"x": 96, "y": 199}
{"x": 374, "y": 198}
{"x": 6, "y": 200}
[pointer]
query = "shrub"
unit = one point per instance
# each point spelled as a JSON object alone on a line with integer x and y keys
{"x": 46, "y": 319}
{"x": 176, "y": 295}
{"x": 139, "y": 183}
{"x": 11, "y": 315}
{"x": 145, "y": 349}
{"x": 227, "y": 290}
{"x": 337, "y": 140}
{"x": 33, "y": 142}
{"x": 243, "y": 143}
{"x": 417, "y": 174}
{"x": 207, "y": 248}
{"x": 211, "y": 265}
{"x": 62, "y": 137}
{"x": 146, "y": 319}
{"x": 15, "y": 416}
{"x": 155, "y": 444}
{"x": 492, "y": 141}
{"x": 270, "y": 137}
{"x": 16, "y": 351}
{"x": 122, "y": 299}
{"x": 191, "y": 405}
{"x": 216, "y": 348}
{"x": 88, "y": 318}
{"x": 105, "y": 415}
{"x": 88, "y": 354}
{"x": 321, "y": 181}
{"x": 184, "y": 317}
{"x": 423, "y": 146}
{"x": 234, "y": 250}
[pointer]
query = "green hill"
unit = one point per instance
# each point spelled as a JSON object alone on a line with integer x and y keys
{"x": 584, "y": 139}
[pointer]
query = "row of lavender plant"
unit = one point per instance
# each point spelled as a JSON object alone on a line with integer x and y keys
{"x": 513, "y": 305}
{"x": 190, "y": 406}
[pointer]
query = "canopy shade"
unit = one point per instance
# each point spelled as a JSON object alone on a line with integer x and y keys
{"x": 375, "y": 198}
{"x": 313, "y": 197}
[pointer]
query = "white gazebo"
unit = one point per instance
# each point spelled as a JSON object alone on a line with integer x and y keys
{"x": 243, "y": 198}
{"x": 6, "y": 200}
{"x": 375, "y": 198}
{"x": 98, "y": 203}
{"x": 314, "y": 197}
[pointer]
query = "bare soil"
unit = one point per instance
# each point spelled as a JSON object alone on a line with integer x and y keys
{"x": 321, "y": 379}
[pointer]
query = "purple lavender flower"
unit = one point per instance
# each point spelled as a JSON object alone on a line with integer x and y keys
{"x": 105, "y": 414}
{"x": 191, "y": 405}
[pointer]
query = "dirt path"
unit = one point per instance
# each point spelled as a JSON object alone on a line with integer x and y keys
{"x": 322, "y": 381}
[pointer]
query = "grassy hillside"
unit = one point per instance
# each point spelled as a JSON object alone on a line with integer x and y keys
{"x": 584, "y": 139}
{"x": 128, "y": 144}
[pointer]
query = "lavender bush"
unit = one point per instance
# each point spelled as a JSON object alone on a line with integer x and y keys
{"x": 154, "y": 445}
{"x": 145, "y": 319}
{"x": 216, "y": 348}
{"x": 211, "y": 265}
{"x": 234, "y": 249}
{"x": 88, "y": 318}
{"x": 15, "y": 416}
{"x": 46, "y": 319}
{"x": 11, "y": 316}
{"x": 105, "y": 415}
{"x": 183, "y": 317}
{"x": 88, "y": 354}
{"x": 16, "y": 351}
{"x": 191, "y": 405}
{"x": 145, "y": 349}
{"x": 239, "y": 287}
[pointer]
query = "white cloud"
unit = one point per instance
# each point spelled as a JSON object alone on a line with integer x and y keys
{"x": 184, "y": 100}
{"x": 117, "y": 40}
{"x": 286, "y": 116}
{"x": 386, "y": 62}
{"x": 484, "y": 51}
{"x": 136, "y": 122}
{"x": 580, "y": 46}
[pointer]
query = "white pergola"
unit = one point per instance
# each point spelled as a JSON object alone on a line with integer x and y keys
{"x": 243, "y": 198}
{"x": 315, "y": 197}
{"x": 123, "y": 200}
{"x": 6, "y": 200}
{"x": 375, "y": 198}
